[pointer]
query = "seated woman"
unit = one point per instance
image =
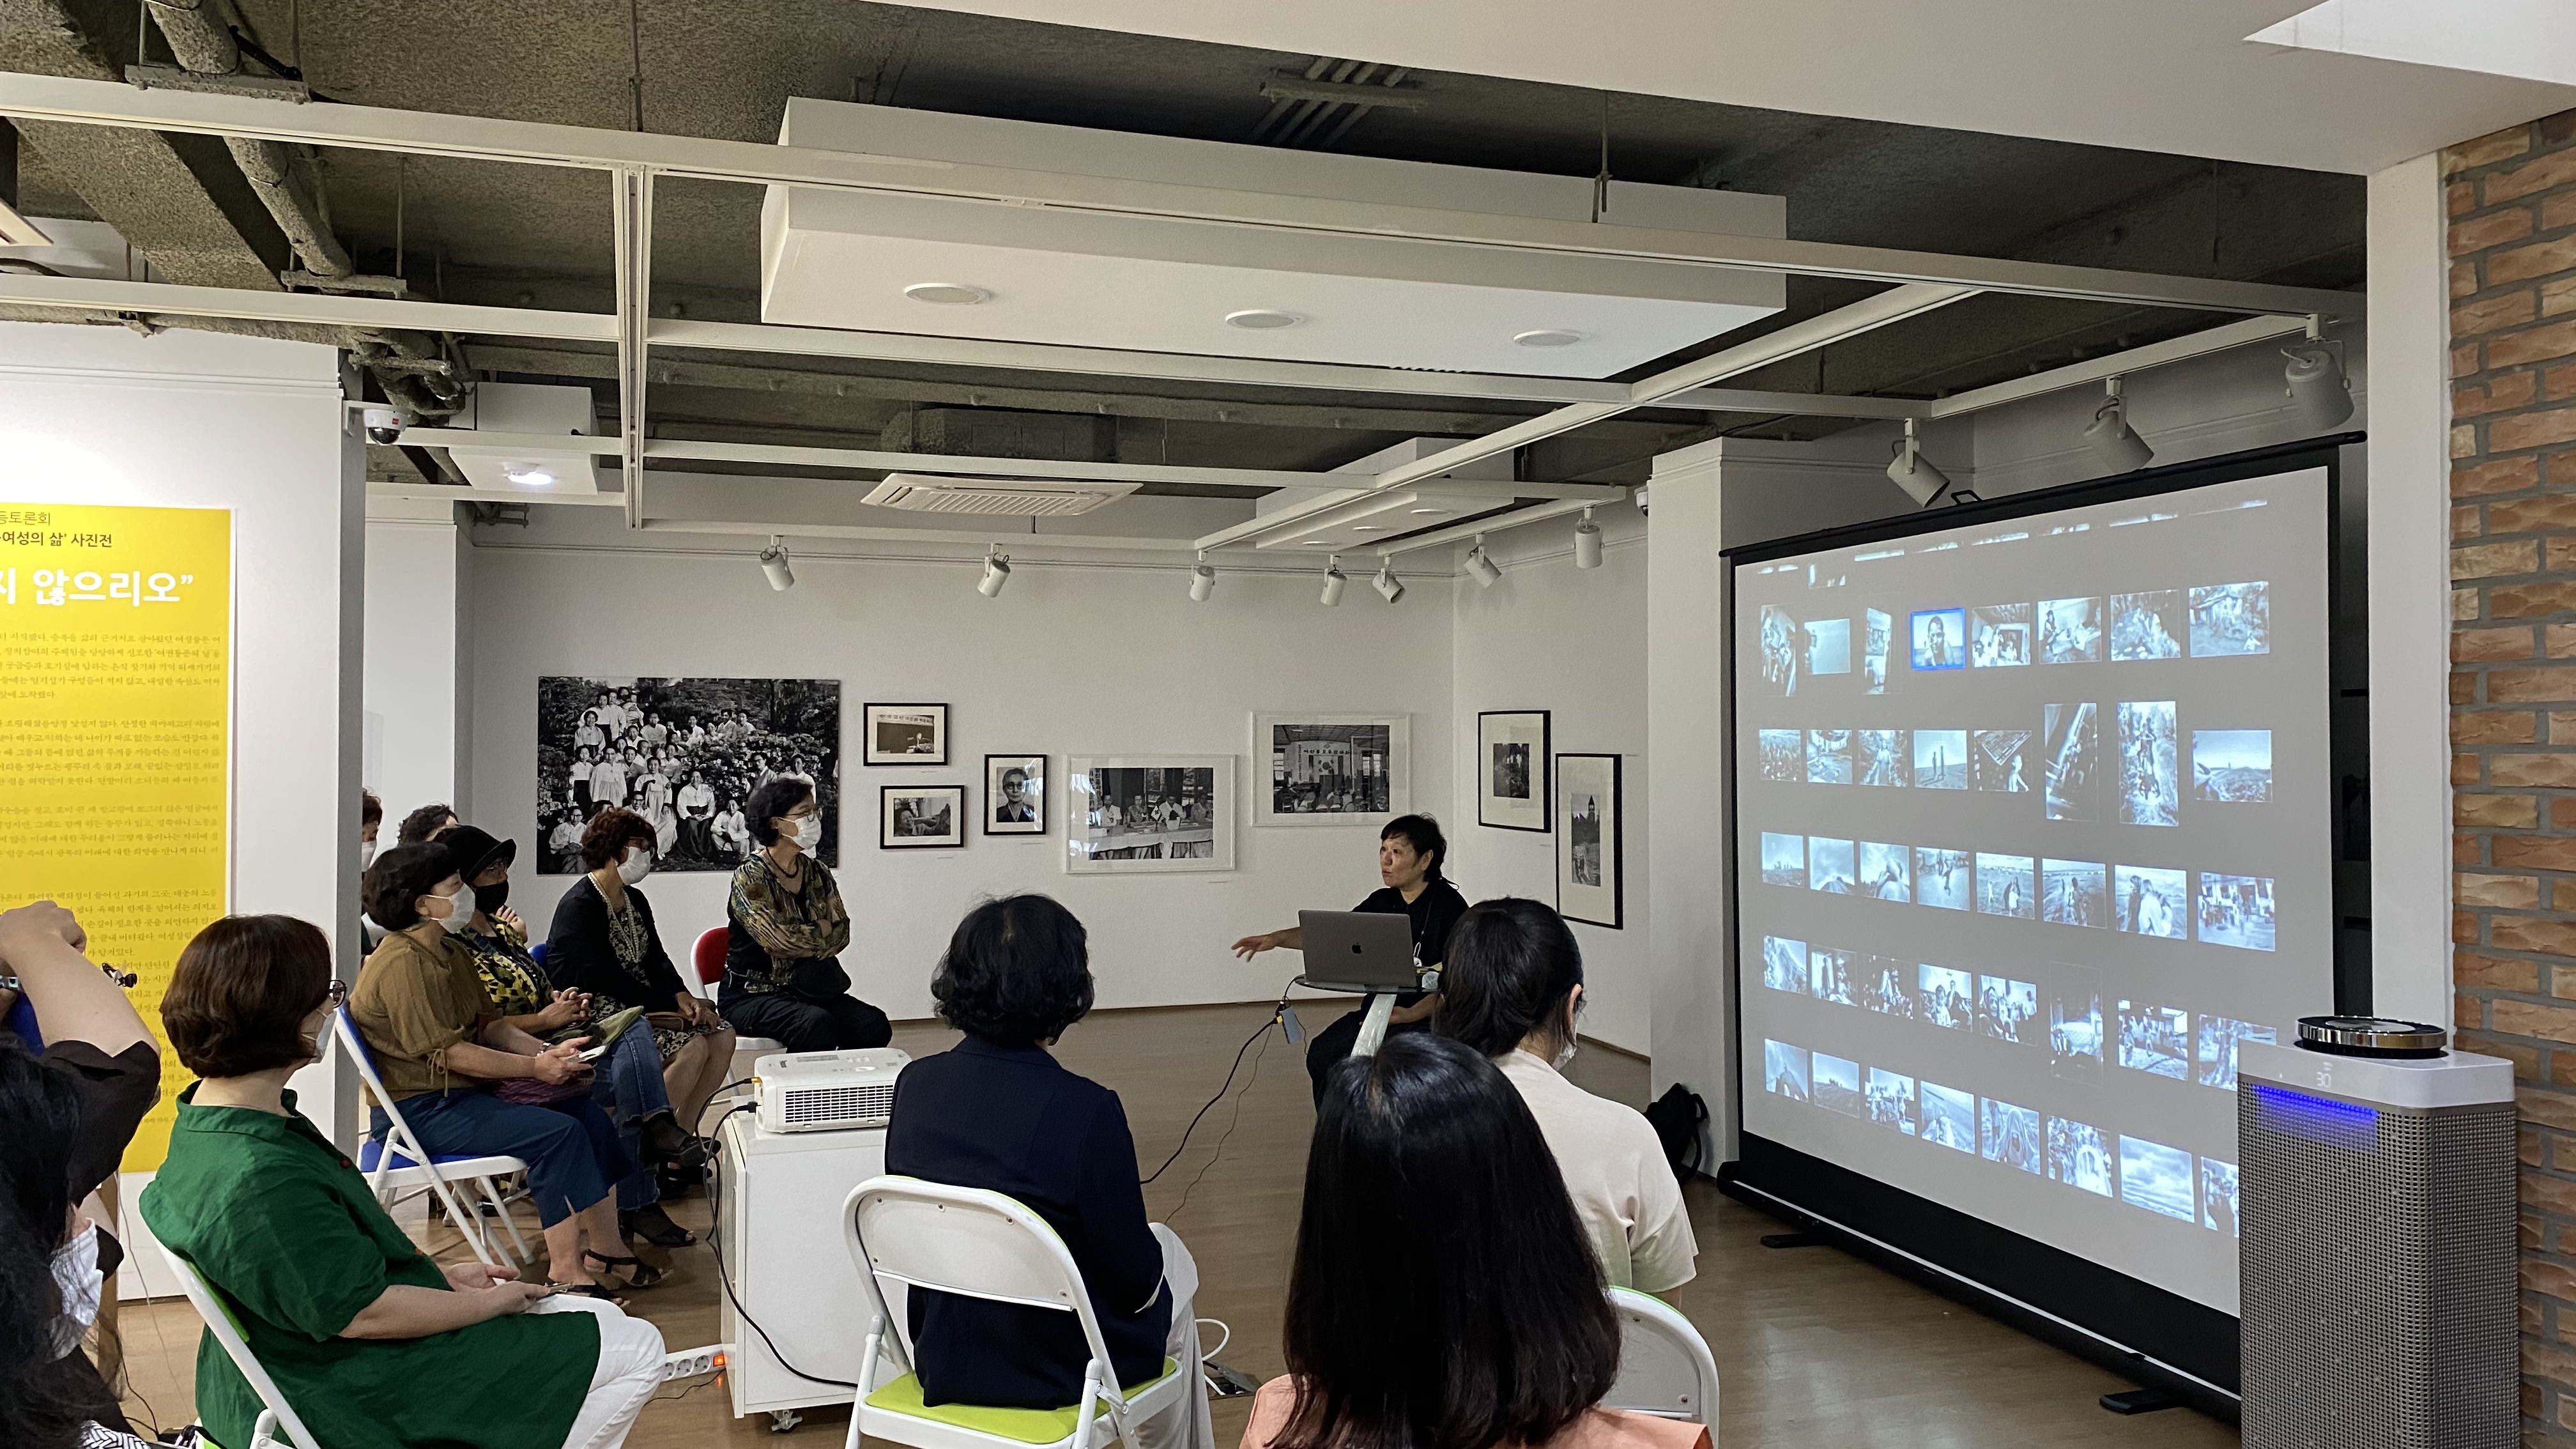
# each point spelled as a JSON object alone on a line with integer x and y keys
{"x": 1443, "y": 1293}
{"x": 1512, "y": 989}
{"x": 786, "y": 930}
{"x": 440, "y": 1046}
{"x": 370, "y": 1342}
{"x": 603, "y": 942}
{"x": 627, "y": 1081}
{"x": 997, "y": 1112}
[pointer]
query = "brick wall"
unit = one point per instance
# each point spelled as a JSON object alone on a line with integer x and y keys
{"x": 2512, "y": 203}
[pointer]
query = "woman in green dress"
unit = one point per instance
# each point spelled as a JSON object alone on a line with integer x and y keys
{"x": 371, "y": 1343}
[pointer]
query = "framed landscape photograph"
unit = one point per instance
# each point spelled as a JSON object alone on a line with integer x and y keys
{"x": 1148, "y": 814}
{"x": 1331, "y": 769}
{"x": 921, "y": 817}
{"x": 905, "y": 734}
{"x": 1511, "y": 769}
{"x": 1015, "y": 794}
{"x": 1589, "y": 866}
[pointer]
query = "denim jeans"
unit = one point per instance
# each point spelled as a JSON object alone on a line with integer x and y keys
{"x": 627, "y": 1085}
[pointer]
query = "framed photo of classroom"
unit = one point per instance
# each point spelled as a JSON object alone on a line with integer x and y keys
{"x": 905, "y": 734}
{"x": 1511, "y": 769}
{"x": 1588, "y": 840}
{"x": 1331, "y": 769}
{"x": 1015, "y": 794}
{"x": 921, "y": 817}
{"x": 1148, "y": 814}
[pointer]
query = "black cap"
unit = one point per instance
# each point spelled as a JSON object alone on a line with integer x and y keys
{"x": 473, "y": 850}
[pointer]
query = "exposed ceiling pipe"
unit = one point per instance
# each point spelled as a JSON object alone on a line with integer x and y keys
{"x": 1282, "y": 108}
{"x": 1350, "y": 73}
{"x": 1351, "y": 118}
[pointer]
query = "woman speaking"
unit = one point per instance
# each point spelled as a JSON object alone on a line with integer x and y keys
{"x": 1409, "y": 852}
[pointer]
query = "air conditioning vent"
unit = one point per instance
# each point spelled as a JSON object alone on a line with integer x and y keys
{"x": 1011, "y": 497}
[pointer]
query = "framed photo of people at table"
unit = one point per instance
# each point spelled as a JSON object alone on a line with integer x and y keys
{"x": 1148, "y": 814}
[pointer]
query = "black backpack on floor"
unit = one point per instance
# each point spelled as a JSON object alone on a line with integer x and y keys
{"x": 1677, "y": 1117}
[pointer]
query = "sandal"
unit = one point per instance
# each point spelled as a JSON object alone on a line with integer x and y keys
{"x": 589, "y": 1290}
{"x": 639, "y": 1274}
{"x": 655, "y": 1226}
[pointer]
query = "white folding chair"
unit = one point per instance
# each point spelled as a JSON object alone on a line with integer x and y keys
{"x": 398, "y": 1168}
{"x": 927, "y": 1235}
{"x": 1665, "y": 1368}
{"x": 226, "y": 1328}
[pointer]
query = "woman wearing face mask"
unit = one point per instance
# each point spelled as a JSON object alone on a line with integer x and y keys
{"x": 1512, "y": 990}
{"x": 604, "y": 942}
{"x": 371, "y": 1342}
{"x": 786, "y": 930}
{"x": 440, "y": 1046}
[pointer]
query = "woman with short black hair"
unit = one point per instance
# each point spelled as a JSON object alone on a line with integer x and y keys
{"x": 1443, "y": 1296}
{"x": 996, "y": 1111}
{"x": 785, "y": 931}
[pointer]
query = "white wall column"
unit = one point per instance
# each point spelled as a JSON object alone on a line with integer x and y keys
{"x": 419, "y": 682}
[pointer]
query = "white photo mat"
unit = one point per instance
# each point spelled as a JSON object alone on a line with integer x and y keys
{"x": 905, "y": 814}
{"x": 1513, "y": 791}
{"x": 1590, "y": 867}
{"x": 1000, "y": 799}
{"x": 1325, "y": 759}
{"x": 904, "y": 734}
{"x": 1150, "y": 805}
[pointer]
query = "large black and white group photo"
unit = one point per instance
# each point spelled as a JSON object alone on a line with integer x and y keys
{"x": 683, "y": 753}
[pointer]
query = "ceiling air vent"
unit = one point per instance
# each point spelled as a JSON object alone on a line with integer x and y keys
{"x": 1008, "y": 497}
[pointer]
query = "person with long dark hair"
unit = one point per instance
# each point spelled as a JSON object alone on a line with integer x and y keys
{"x": 1513, "y": 990}
{"x": 1443, "y": 1295}
{"x": 49, "y": 1287}
{"x": 1409, "y": 852}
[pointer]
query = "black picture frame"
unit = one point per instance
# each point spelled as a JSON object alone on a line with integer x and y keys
{"x": 953, "y": 839}
{"x": 993, "y": 795}
{"x": 1530, "y": 731}
{"x": 1611, "y": 827}
{"x": 869, "y": 719}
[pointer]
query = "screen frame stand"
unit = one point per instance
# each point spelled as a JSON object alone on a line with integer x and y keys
{"x": 2180, "y": 1352}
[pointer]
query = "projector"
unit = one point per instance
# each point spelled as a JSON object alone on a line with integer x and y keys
{"x": 826, "y": 1091}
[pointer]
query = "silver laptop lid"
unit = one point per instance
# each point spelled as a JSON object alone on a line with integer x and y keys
{"x": 1358, "y": 950}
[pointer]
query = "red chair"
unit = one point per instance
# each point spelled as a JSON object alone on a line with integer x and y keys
{"x": 708, "y": 956}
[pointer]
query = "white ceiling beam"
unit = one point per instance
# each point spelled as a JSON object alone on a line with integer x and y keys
{"x": 320, "y": 309}
{"x": 1460, "y": 532}
{"x": 1009, "y": 542}
{"x": 599, "y": 446}
{"x": 2137, "y": 359}
{"x": 879, "y": 460}
{"x": 451, "y": 493}
{"x": 633, "y": 232}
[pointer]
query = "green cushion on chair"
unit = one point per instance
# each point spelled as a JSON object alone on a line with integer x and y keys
{"x": 1026, "y": 1426}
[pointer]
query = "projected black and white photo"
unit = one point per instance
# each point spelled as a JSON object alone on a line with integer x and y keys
{"x": 2078, "y": 1156}
{"x": 2070, "y": 631}
{"x": 1997, "y": 761}
{"x": 1784, "y": 859}
{"x": 1941, "y": 759}
{"x": 2148, "y": 783}
{"x": 2215, "y": 1053}
{"x": 1830, "y": 865}
{"x": 1883, "y": 757}
{"x": 2155, "y": 1040}
{"x": 1940, "y": 878}
{"x": 2148, "y": 901}
{"x": 1784, "y": 1067}
{"x": 1941, "y": 996}
{"x": 1887, "y": 986}
{"x": 1829, "y": 646}
{"x": 1783, "y": 650}
{"x": 2075, "y": 1026}
{"x": 1829, "y": 975}
{"x": 2006, "y": 886}
{"x": 2231, "y": 619}
{"x": 2218, "y": 1196}
{"x": 2155, "y": 1177}
{"x": 1784, "y": 756}
{"x": 1836, "y": 1083}
{"x": 2071, "y": 747}
{"x": 2005, "y": 1007}
{"x": 1877, "y": 627}
{"x": 1999, "y": 636}
{"x": 1949, "y": 1117}
{"x": 1829, "y": 757}
{"x": 2232, "y": 767}
{"x": 1885, "y": 872}
{"x": 2008, "y": 1134}
{"x": 1940, "y": 639}
{"x": 2074, "y": 893}
{"x": 1784, "y": 964}
{"x": 1891, "y": 1100}
{"x": 2147, "y": 626}
{"x": 2236, "y": 910}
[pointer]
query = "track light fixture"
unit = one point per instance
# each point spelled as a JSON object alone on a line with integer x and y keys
{"x": 1388, "y": 586}
{"x": 1587, "y": 542}
{"x": 773, "y": 562}
{"x": 1483, "y": 567}
{"x": 1334, "y": 580}
{"x": 2113, "y": 441}
{"x": 1914, "y": 473}
{"x": 997, "y": 572}
{"x": 2320, "y": 393}
{"x": 1202, "y": 580}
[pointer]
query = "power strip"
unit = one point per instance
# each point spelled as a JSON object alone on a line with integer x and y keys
{"x": 690, "y": 1363}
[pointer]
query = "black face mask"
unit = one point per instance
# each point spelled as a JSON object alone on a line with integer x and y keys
{"x": 490, "y": 898}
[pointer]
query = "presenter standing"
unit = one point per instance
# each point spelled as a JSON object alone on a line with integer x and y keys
{"x": 1409, "y": 852}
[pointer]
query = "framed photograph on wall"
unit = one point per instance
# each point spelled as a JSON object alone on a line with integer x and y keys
{"x": 1511, "y": 769}
{"x": 905, "y": 734}
{"x": 921, "y": 817}
{"x": 1331, "y": 769}
{"x": 683, "y": 753}
{"x": 1015, "y": 794}
{"x": 1147, "y": 814}
{"x": 1589, "y": 866}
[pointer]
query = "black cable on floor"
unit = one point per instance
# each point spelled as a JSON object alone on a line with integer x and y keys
{"x": 715, "y": 1244}
{"x": 1272, "y": 1021}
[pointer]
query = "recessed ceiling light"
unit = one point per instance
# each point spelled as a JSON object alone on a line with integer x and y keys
{"x": 1547, "y": 337}
{"x": 1262, "y": 319}
{"x": 527, "y": 475}
{"x": 947, "y": 294}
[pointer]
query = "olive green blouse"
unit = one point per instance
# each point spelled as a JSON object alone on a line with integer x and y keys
{"x": 286, "y": 1231}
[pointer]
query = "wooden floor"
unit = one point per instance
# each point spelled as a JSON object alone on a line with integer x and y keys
{"x": 1814, "y": 1348}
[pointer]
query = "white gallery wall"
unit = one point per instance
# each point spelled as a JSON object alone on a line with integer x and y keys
{"x": 417, "y": 741}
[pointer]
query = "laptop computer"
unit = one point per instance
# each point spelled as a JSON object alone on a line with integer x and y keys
{"x": 1358, "y": 950}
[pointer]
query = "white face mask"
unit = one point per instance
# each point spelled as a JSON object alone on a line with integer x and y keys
{"x": 460, "y": 910}
{"x": 78, "y": 1280}
{"x": 366, "y": 854}
{"x": 809, "y": 833}
{"x": 637, "y": 865}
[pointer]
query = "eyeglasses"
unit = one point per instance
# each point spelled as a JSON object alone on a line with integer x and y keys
{"x": 336, "y": 995}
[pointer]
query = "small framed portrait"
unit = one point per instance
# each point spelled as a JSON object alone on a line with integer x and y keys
{"x": 921, "y": 817}
{"x": 1511, "y": 769}
{"x": 1588, "y": 863}
{"x": 906, "y": 734}
{"x": 1015, "y": 794}
{"x": 1332, "y": 769}
{"x": 1146, "y": 814}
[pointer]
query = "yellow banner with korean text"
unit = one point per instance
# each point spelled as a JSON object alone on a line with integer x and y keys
{"x": 115, "y": 736}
